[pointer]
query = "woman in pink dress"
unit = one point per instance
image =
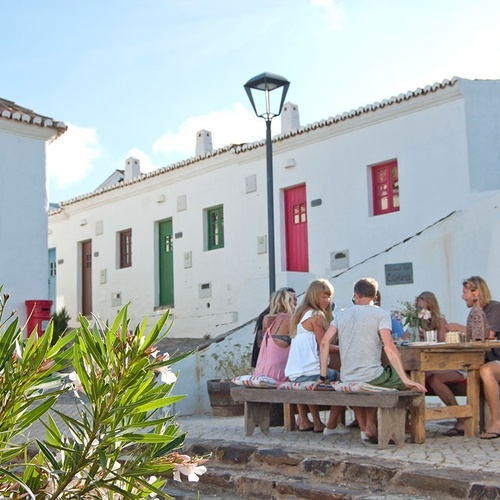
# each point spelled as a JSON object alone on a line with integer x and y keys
{"x": 275, "y": 345}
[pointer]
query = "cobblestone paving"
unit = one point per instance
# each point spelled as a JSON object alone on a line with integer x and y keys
{"x": 472, "y": 454}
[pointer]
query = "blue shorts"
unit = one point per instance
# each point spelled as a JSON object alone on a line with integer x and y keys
{"x": 331, "y": 375}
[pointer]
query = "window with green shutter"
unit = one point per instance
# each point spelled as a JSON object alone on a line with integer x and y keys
{"x": 215, "y": 227}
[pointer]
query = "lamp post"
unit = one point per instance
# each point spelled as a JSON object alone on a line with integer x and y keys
{"x": 260, "y": 87}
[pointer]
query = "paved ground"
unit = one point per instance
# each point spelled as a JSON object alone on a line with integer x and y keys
{"x": 451, "y": 455}
{"x": 471, "y": 454}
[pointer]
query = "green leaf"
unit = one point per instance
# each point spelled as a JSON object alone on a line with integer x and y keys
{"x": 159, "y": 403}
{"x": 33, "y": 415}
{"x": 17, "y": 480}
{"x": 146, "y": 438}
{"x": 50, "y": 457}
{"x": 174, "y": 444}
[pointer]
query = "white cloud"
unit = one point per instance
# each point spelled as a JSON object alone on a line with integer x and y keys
{"x": 233, "y": 126}
{"x": 69, "y": 158}
{"x": 334, "y": 9}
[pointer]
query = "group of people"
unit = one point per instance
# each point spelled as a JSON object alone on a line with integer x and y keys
{"x": 295, "y": 344}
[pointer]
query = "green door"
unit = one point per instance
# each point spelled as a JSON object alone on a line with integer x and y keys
{"x": 166, "y": 263}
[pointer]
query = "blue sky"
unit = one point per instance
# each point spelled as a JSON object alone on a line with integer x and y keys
{"x": 141, "y": 77}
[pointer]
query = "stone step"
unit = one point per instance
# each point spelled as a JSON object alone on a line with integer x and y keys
{"x": 225, "y": 484}
{"x": 241, "y": 471}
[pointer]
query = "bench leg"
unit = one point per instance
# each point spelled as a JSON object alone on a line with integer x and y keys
{"x": 289, "y": 411}
{"x": 257, "y": 414}
{"x": 391, "y": 425}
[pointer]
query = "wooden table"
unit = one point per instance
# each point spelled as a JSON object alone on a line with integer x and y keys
{"x": 421, "y": 358}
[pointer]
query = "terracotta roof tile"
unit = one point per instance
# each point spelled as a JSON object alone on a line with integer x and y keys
{"x": 11, "y": 111}
{"x": 241, "y": 148}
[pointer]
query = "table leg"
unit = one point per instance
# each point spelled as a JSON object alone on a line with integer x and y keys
{"x": 471, "y": 426}
{"x": 417, "y": 411}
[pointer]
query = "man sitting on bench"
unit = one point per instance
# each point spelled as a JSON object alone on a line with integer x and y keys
{"x": 362, "y": 330}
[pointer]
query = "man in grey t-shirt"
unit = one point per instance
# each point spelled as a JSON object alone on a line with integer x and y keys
{"x": 362, "y": 331}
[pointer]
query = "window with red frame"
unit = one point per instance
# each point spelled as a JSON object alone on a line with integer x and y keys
{"x": 385, "y": 183}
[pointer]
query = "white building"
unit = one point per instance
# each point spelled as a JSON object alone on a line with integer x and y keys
{"x": 405, "y": 190}
{"x": 24, "y": 272}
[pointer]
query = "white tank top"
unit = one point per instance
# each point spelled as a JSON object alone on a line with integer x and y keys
{"x": 303, "y": 358}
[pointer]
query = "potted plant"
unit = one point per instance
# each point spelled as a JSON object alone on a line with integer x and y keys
{"x": 230, "y": 361}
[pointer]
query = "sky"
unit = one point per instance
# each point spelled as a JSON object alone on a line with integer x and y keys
{"x": 141, "y": 77}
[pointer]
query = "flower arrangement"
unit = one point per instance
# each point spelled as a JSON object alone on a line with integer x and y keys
{"x": 411, "y": 316}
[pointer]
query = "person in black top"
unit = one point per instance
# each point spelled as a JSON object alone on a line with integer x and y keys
{"x": 476, "y": 293}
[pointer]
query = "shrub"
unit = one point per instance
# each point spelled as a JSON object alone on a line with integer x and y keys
{"x": 232, "y": 360}
{"x": 60, "y": 322}
{"x": 120, "y": 446}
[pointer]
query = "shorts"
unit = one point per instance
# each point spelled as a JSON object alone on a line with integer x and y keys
{"x": 331, "y": 375}
{"x": 390, "y": 379}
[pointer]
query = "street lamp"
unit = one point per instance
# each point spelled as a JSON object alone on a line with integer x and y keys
{"x": 262, "y": 85}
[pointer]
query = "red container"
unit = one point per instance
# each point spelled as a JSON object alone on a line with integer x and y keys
{"x": 39, "y": 312}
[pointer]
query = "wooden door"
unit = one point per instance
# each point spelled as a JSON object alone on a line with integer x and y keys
{"x": 86, "y": 277}
{"x": 297, "y": 250}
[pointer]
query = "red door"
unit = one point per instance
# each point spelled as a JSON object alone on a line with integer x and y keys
{"x": 297, "y": 253}
{"x": 87, "y": 277}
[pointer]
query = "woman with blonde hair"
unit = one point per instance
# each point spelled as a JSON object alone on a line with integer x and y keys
{"x": 275, "y": 345}
{"x": 308, "y": 326}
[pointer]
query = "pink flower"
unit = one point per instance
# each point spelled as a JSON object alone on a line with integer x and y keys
{"x": 190, "y": 467}
{"x": 424, "y": 314}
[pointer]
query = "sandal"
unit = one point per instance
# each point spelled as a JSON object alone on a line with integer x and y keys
{"x": 489, "y": 435}
{"x": 454, "y": 432}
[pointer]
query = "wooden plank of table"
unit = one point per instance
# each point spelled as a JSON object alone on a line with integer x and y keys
{"x": 447, "y": 412}
{"x": 456, "y": 360}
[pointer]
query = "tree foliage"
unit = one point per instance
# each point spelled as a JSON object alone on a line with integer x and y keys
{"x": 123, "y": 442}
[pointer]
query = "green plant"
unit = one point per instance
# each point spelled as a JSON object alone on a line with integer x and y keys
{"x": 60, "y": 322}
{"x": 122, "y": 445}
{"x": 413, "y": 317}
{"x": 408, "y": 314}
{"x": 232, "y": 360}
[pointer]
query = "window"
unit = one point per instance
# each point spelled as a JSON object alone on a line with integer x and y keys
{"x": 125, "y": 248}
{"x": 215, "y": 228}
{"x": 385, "y": 182}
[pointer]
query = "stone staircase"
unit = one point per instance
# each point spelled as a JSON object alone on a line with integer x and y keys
{"x": 249, "y": 472}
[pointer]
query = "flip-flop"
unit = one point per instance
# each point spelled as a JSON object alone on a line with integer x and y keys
{"x": 454, "y": 432}
{"x": 309, "y": 429}
{"x": 489, "y": 435}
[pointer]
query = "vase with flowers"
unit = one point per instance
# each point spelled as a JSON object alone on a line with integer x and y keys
{"x": 417, "y": 319}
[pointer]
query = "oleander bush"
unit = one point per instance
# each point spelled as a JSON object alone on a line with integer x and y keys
{"x": 60, "y": 320}
{"x": 123, "y": 442}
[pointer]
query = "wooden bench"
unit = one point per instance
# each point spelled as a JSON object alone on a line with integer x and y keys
{"x": 391, "y": 408}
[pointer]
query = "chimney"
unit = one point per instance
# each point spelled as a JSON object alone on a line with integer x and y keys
{"x": 203, "y": 143}
{"x": 132, "y": 168}
{"x": 290, "y": 118}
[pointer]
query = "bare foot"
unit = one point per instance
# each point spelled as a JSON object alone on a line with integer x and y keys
{"x": 371, "y": 431}
{"x": 319, "y": 427}
{"x": 489, "y": 435}
{"x": 306, "y": 425}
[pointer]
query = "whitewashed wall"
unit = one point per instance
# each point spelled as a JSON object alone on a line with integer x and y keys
{"x": 442, "y": 257}
{"x": 438, "y": 141}
{"x": 23, "y": 214}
